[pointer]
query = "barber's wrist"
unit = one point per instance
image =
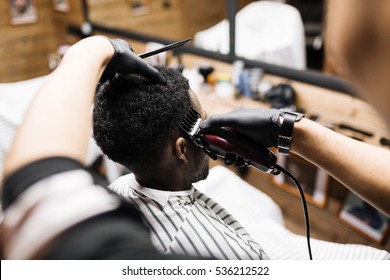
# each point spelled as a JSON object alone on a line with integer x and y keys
{"x": 300, "y": 128}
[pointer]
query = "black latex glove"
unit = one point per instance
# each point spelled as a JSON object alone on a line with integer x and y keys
{"x": 261, "y": 125}
{"x": 125, "y": 60}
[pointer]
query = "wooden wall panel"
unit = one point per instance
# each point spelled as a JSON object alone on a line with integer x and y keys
{"x": 24, "y": 48}
{"x": 182, "y": 18}
{"x": 201, "y": 14}
{"x": 74, "y": 16}
{"x": 165, "y": 22}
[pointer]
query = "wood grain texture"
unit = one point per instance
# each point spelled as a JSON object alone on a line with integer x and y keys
{"x": 24, "y": 48}
{"x": 176, "y": 20}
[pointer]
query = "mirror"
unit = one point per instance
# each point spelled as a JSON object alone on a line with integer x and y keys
{"x": 272, "y": 32}
{"x": 266, "y": 31}
{"x": 164, "y": 21}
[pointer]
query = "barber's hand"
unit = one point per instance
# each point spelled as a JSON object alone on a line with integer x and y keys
{"x": 126, "y": 61}
{"x": 261, "y": 125}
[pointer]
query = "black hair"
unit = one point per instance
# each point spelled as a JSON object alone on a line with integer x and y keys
{"x": 134, "y": 120}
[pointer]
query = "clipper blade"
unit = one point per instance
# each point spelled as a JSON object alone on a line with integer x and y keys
{"x": 191, "y": 126}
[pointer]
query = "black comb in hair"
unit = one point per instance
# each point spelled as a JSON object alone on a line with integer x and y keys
{"x": 190, "y": 126}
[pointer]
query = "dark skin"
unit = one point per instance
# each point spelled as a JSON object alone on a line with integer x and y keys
{"x": 182, "y": 163}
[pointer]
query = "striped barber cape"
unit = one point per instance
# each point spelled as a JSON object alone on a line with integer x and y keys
{"x": 189, "y": 223}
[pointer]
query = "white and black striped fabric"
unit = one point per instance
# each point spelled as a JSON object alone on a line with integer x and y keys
{"x": 189, "y": 223}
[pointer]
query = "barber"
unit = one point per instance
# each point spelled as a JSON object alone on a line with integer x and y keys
{"x": 52, "y": 207}
{"x": 364, "y": 52}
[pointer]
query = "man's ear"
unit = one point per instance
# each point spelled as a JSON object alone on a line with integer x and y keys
{"x": 181, "y": 149}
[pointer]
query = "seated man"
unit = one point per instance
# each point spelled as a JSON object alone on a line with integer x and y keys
{"x": 136, "y": 123}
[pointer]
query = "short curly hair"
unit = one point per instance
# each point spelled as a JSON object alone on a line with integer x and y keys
{"x": 134, "y": 120}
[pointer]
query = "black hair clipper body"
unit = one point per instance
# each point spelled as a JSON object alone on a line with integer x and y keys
{"x": 228, "y": 144}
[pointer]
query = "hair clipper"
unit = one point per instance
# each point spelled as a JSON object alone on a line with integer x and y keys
{"x": 228, "y": 144}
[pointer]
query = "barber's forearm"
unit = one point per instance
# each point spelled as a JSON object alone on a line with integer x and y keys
{"x": 58, "y": 121}
{"x": 361, "y": 167}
